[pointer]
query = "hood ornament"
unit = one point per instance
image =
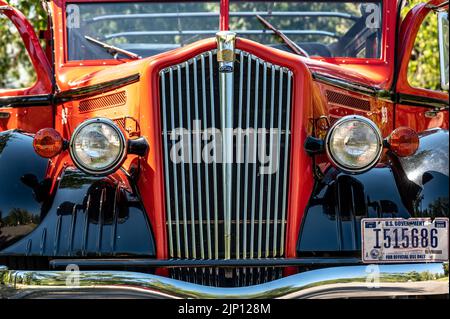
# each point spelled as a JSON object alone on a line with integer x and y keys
{"x": 225, "y": 50}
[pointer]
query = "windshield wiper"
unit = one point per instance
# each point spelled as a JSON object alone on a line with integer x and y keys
{"x": 291, "y": 44}
{"x": 114, "y": 51}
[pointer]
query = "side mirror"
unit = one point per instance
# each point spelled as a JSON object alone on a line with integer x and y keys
{"x": 443, "y": 48}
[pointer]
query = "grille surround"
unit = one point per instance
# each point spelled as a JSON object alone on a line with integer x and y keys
{"x": 195, "y": 222}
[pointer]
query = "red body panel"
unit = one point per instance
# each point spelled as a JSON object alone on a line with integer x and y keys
{"x": 418, "y": 118}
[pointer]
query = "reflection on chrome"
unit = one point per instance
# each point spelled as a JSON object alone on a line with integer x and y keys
{"x": 337, "y": 282}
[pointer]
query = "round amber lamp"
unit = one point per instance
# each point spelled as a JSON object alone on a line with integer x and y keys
{"x": 48, "y": 143}
{"x": 404, "y": 141}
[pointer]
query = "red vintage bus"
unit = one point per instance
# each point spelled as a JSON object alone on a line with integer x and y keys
{"x": 233, "y": 149}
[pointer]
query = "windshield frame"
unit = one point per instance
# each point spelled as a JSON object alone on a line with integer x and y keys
{"x": 386, "y": 54}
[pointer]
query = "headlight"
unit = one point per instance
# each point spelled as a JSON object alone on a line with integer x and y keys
{"x": 98, "y": 147}
{"x": 354, "y": 144}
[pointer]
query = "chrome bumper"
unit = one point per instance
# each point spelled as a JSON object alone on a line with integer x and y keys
{"x": 337, "y": 282}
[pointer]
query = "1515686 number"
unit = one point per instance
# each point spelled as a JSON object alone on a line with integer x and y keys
{"x": 406, "y": 238}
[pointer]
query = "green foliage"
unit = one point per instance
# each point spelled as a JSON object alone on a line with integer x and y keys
{"x": 16, "y": 69}
{"x": 423, "y": 68}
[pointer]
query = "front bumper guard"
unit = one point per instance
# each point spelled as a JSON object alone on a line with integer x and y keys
{"x": 337, "y": 282}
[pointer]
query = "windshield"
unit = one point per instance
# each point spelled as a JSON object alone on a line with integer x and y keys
{"x": 323, "y": 29}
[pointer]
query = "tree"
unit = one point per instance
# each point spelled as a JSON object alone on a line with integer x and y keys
{"x": 423, "y": 69}
{"x": 16, "y": 69}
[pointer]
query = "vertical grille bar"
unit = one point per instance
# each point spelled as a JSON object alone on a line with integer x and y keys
{"x": 197, "y": 217}
{"x": 239, "y": 154}
{"x": 286, "y": 159}
{"x": 199, "y": 167}
{"x": 205, "y": 127}
{"x": 247, "y": 151}
{"x": 269, "y": 191}
{"x": 183, "y": 177}
{"x": 166, "y": 164}
{"x": 174, "y": 168}
{"x": 263, "y": 142}
{"x": 213, "y": 123}
{"x": 277, "y": 178}
{"x": 191, "y": 175}
{"x": 255, "y": 126}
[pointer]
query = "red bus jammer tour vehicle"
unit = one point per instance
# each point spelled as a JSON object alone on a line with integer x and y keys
{"x": 232, "y": 149}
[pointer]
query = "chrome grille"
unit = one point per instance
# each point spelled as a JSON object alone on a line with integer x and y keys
{"x": 195, "y": 213}
{"x": 223, "y": 277}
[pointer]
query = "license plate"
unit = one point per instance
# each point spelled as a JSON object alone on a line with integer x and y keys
{"x": 404, "y": 240}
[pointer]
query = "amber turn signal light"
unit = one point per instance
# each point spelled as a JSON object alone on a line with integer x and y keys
{"x": 48, "y": 143}
{"x": 403, "y": 141}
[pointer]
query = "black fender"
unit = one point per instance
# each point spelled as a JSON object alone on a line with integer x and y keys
{"x": 23, "y": 187}
{"x": 428, "y": 172}
{"x": 415, "y": 186}
{"x": 90, "y": 216}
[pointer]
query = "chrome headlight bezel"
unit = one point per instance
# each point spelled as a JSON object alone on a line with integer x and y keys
{"x": 343, "y": 166}
{"x": 111, "y": 168}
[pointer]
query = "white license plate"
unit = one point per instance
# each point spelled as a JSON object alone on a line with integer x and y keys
{"x": 404, "y": 240}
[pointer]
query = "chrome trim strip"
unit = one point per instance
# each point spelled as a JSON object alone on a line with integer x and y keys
{"x": 99, "y": 264}
{"x": 381, "y": 94}
{"x": 344, "y": 84}
{"x": 95, "y": 89}
{"x": 115, "y": 220}
{"x": 26, "y": 101}
{"x": 422, "y": 101}
{"x": 337, "y": 282}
